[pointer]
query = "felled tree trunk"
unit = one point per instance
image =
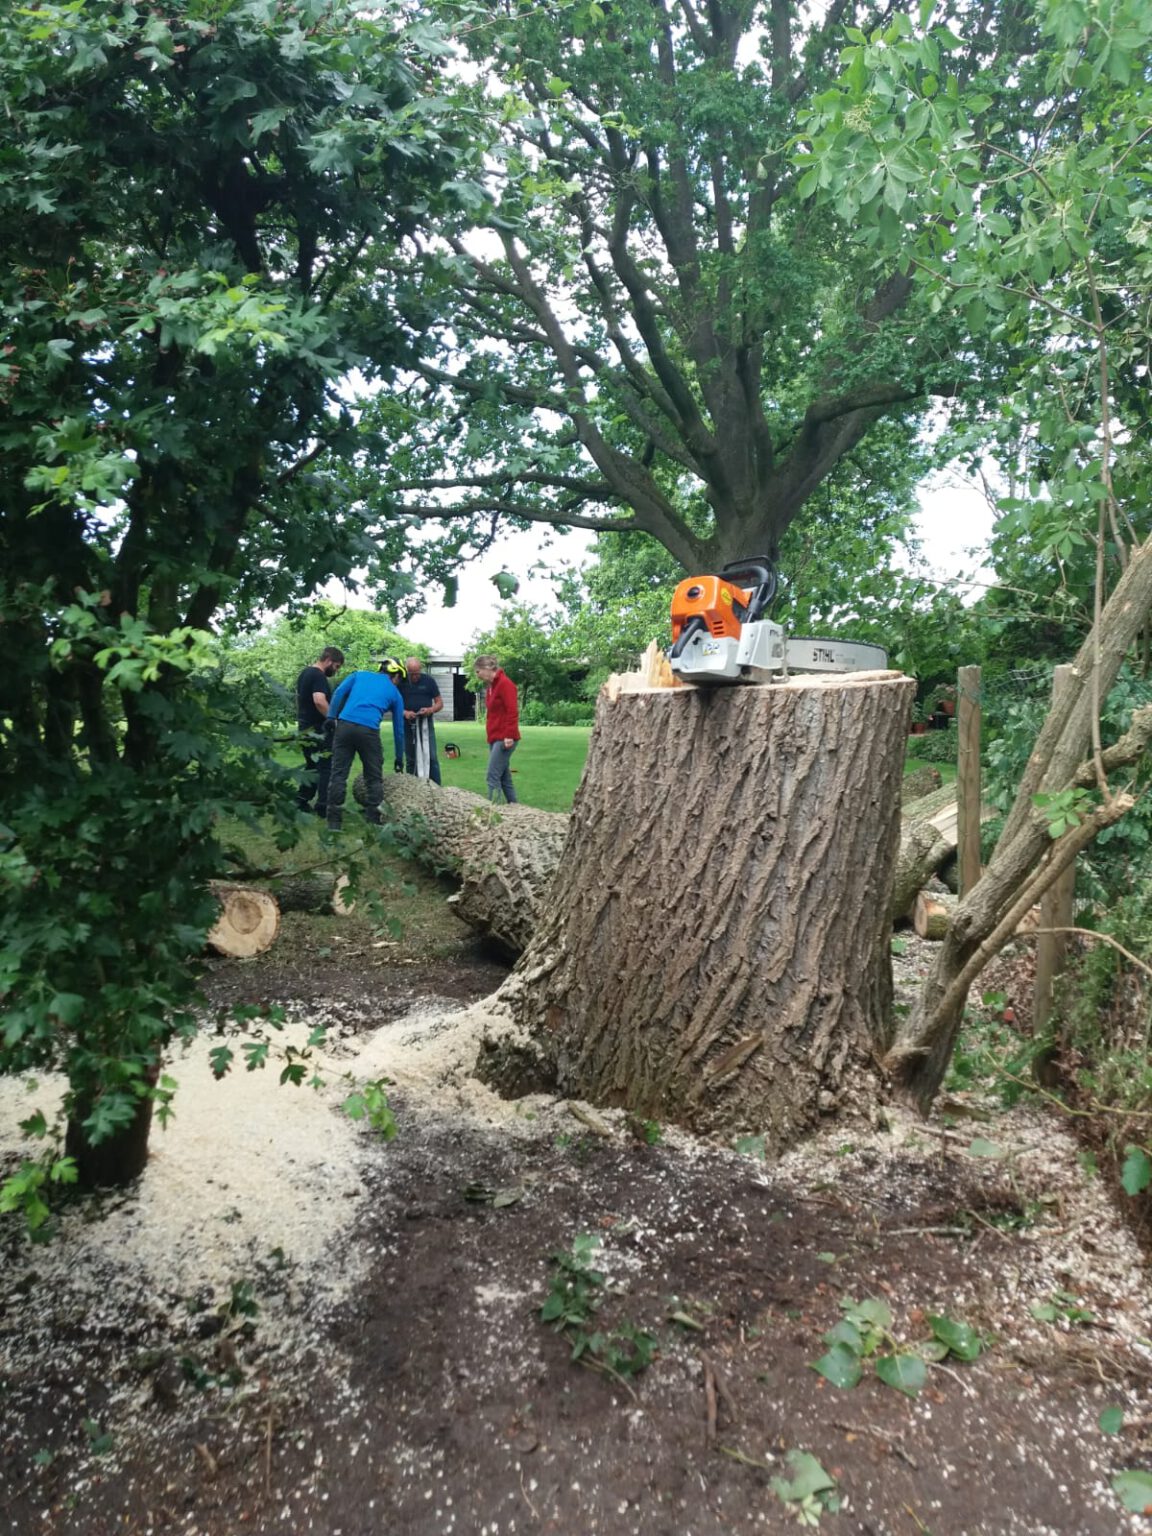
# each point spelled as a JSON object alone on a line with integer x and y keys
{"x": 505, "y": 856}
{"x": 715, "y": 946}
{"x": 320, "y": 892}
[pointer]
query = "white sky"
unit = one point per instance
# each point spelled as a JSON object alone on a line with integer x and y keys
{"x": 955, "y": 520}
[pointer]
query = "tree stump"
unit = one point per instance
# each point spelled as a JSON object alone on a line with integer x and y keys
{"x": 715, "y": 947}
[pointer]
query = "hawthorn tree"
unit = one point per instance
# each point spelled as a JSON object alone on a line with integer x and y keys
{"x": 657, "y": 328}
{"x": 195, "y": 206}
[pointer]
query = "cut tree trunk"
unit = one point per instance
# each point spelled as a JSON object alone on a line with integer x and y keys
{"x": 505, "y": 856}
{"x": 931, "y": 914}
{"x": 715, "y": 947}
{"x": 319, "y": 892}
{"x": 248, "y": 923}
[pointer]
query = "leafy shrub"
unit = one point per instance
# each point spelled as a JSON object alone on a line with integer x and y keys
{"x": 934, "y": 746}
{"x": 563, "y": 712}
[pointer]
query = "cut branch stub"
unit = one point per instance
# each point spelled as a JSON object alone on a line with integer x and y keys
{"x": 715, "y": 946}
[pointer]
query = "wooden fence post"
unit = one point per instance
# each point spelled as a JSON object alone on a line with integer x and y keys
{"x": 1056, "y": 911}
{"x": 968, "y": 776}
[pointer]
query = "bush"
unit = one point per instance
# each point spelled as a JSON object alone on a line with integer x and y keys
{"x": 934, "y": 746}
{"x": 562, "y": 712}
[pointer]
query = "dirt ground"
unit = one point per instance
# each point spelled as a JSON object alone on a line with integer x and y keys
{"x": 345, "y": 1338}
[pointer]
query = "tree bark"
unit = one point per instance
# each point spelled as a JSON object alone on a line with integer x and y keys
{"x": 715, "y": 947}
{"x": 119, "y": 1158}
{"x": 505, "y": 856}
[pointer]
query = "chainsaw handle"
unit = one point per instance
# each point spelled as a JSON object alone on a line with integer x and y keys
{"x": 760, "y": 576}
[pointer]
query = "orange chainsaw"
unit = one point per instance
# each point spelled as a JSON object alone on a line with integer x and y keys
{"x": 720, "y": 634}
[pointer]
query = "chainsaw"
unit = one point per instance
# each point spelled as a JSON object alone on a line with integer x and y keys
{"x": 720, "y": 634}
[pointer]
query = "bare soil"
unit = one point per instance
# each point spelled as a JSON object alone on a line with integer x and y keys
{"x": 393, "y": 1373}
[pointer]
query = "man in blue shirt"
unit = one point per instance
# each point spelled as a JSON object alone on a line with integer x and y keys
{"x": 358, "y": 708}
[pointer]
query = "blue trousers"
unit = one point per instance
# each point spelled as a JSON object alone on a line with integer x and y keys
{"x": 499, "y": 773}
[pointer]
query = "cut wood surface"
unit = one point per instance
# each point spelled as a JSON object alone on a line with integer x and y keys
{"x": 248, "y": 923}
{"x": 714, "y": 949}
{"x": 930, "y": 913}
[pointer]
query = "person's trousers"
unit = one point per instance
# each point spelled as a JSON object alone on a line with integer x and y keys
{"x": 412, "y": 729}
{"x": 317, "y": 750}
{"x": 499, "y": 773}
{"x": 355, "y": 741}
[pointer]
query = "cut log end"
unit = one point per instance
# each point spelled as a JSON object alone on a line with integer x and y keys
{"x": 931, "y": 914}
{"x": 248, "y": 923}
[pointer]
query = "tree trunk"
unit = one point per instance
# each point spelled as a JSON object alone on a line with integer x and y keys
{"x": 715, "y": 948}
{"x": 322, "y": 891}
{"x": 119, "y": 1158}
{"x": 505, "y": 856}
{"x": 248, "y": 923}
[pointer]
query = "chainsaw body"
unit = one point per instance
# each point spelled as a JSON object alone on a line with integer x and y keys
{"x": 720, "y": 634}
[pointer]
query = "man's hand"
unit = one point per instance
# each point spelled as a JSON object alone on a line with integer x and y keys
{"x": 509, "y": 743}
{"x": 409, "y": 714}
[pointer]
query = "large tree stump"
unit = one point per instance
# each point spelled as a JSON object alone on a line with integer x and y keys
{"x": 715, "y": 947}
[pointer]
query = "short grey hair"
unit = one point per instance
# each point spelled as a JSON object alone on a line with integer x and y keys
{"x": 487, "y": 661}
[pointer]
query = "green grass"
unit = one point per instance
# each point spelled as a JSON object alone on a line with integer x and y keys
{"x": 546, "y": 766}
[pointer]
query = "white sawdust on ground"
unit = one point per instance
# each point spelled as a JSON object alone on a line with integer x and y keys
{"x": 251, "y": 1173}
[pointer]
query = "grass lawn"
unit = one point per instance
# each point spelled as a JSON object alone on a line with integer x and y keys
{"x": 546, "y": 766}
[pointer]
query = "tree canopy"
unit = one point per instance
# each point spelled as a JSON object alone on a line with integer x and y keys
{"x": 195, "y": 207}
{"x": 656, "y": 328}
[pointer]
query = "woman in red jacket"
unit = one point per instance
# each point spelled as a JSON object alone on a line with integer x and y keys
{"x": 503, "y": 716}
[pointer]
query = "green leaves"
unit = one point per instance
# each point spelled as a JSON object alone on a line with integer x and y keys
{"x": 1111, "y": 1420}
{"x": 370, "y": 1103}
{"x": 810, "y": 1491}
{"x": 905, "y": 1373}
{"x": 841, "y": 1365}
{"x": 1134, "y": 1490}
{"x": 1136, "y": 1174}
{"x": 865, "y": 1334}
{"x": 958, "y": 1338}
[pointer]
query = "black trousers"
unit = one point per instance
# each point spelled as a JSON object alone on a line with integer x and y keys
{"x": 317, "y": 750}
{"x": 355, "y": 741}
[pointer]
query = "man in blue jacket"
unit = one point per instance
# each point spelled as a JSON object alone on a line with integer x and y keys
{"x": 358, "y": 708}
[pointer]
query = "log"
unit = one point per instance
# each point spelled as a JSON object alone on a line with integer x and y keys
{"x": 248, "y": 923}
{"x": 931, "y": 914}
{"x": 320, "y": 892}
{"x": 923, "y": 848}
{"x": 504, "y": 856}
{"x": 920, "y": 782}
{"x": 715, "y": 946}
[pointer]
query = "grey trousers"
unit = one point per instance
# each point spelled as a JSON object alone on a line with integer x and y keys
{"x": 499, "y": 773}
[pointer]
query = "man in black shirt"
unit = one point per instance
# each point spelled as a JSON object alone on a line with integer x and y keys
{"x": 421, "y": 695}
{"x": 313, "y": 691}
